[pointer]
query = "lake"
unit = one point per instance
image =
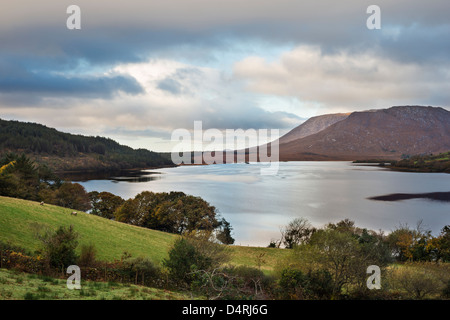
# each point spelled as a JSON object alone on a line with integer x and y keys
{"x": 258, "y": 205}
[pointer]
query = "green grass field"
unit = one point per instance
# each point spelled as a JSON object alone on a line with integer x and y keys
{"x": 22, "y": 286}
{"x": 19, "y": 218}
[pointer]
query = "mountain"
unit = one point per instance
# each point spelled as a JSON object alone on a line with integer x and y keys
{"x": 383, "y": 133}
{"x": 69, "y": 152}
{"x": 312, "y": 126}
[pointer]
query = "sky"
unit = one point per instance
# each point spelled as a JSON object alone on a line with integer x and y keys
{"x": 138, "y": 70}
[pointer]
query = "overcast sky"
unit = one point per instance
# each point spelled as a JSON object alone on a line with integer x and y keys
{"x": 139, "y": 69}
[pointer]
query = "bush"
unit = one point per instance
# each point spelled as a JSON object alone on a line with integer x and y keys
{"x": 247, "y": 283}
{"x": 88, "y": 256}
{"x": 319, "y": 285}
{"x": 30, "y": 296}
{"x": 416, "y": 281}
{"x": 142, "y": 269}
{"x": 446, "y": 291}
{"x": 294, "y": 284}
{"x": 59, "y": 247}
{"x": 190, "y": 255}
{"x": 183, "y": 259}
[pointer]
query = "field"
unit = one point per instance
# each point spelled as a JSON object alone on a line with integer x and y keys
{"x": 19, "y": 219}
{"x": 21, "y": 286}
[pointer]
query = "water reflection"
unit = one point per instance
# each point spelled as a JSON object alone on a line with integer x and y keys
{"x": 114, "y": 176}
{"x": 322, "y": 192}
{"x": 137, "y": 178}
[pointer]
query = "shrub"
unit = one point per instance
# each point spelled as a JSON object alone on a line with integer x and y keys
{"x": 446, "y": 291}
{"x": 292, "y": 283}
{"x": 88, "y": 256}
{"x": 190, "y": 255}
{"x": 247, "y": 283}
{"x": 415, "y": 281}
{"x": 59, "y": 247}
{"x": 30, "y": 296}
{"x": 183, "y": 258}
{"x": 143, "y": 269}
{"x": 319, "y": 285}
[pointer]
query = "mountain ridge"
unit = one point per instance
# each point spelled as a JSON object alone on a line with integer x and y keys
{"x": 313, "y": 125}
{"x": 380, "y": 133}
{"x": 73, "y": 152}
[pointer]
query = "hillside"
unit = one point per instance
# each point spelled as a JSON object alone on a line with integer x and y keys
{"x": 19, "y": 218}
{"x": 16, "y": 285}
{"x": 312, "y": 126}
{"x": 68, "y": 152}
{"x": 375, "y": 134}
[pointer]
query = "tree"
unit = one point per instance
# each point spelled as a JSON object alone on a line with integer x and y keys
{"x": 138, "y": 210}
{"x": 104, "y": 204}
{"x": 19, "y": 177}
{"x": 338, "y": 253}
{"x": 186, "y": 213}
{"x": 444, "y": 244}
{"x": 74, "y": 196}
{"x": 343, "y": 254}
{"x": 439, "y": 247}
{"x": 173, "y": 212}
{"x": 224, "y": 232}
{"x": 411, "y": 244}
{"x": 298, "y": 231}
{"x": 345, "y": 225}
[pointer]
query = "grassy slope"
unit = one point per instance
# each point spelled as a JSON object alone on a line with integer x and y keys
{"x": 17, "y": 286}
{"x": 111, "y": 238}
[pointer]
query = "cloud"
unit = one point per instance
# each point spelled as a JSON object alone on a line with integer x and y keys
{"x": 174, "y": 95}
{"x": 345, "y": 80}
{"x": 51, "y": 85}
{"x": 178, "y": 94}
{"x": 170, "y": 85}
{"x": 147, "y": 67}
{"x": 114, "y": 32}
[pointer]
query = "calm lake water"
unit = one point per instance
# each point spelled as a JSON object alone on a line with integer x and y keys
{"x": 258, "y": 205}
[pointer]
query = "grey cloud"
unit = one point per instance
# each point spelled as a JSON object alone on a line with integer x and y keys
{"x": 170, "y": 85}
{"x": 116, "y": 32}
{"x": 40, "y": 58}
{"x": 50, "y": 85}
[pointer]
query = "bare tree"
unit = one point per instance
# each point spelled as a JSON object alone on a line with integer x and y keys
{"x": 297, "y": 232}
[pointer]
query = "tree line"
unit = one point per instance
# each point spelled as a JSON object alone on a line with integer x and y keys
{"x": 323, "y": 263}
{"x": 403, "y": 244}
{"x": 97, "y": 153}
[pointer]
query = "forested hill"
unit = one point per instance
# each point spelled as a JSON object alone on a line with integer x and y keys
{"x": 68, "y": 152}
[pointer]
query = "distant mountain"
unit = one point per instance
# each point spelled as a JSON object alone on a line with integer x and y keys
{"x": 68, "y": 152}
{"x": 384, "y": 133}
{"x": 312, "y": 126}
